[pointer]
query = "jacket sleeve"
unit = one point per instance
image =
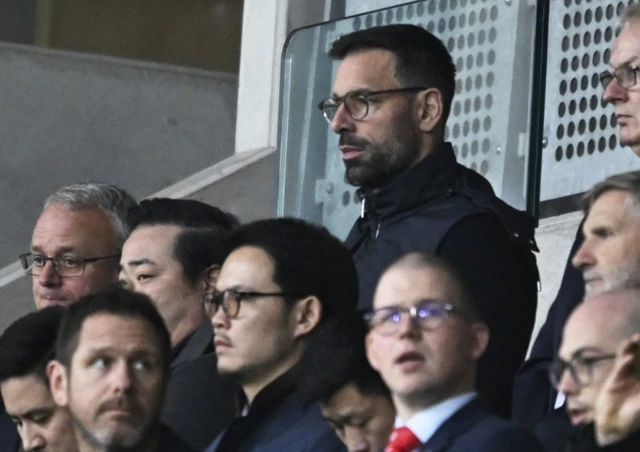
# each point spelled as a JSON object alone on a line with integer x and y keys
{"x": 503, "y": 282}
{"x": 533, "y": 395}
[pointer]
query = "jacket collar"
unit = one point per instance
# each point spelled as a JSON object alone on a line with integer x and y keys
{"x": 458, "y": 424}
{"x": 433, "y": 174}
{"x": 197, "y": 344}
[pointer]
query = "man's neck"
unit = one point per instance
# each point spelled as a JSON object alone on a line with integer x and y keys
{"x": 186, "y": 326}
{"x": 252, "y": 388}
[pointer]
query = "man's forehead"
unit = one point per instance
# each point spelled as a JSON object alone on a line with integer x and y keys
{"x": 626, "y": 49}
{"x": 247, "y": 265}
{"x": 365, "y": 69}
{"x": 608, "y": 206}
{"x": 24, "y": 394}
{"x": 406, "y": 286}
{"x": 103, "y": 331}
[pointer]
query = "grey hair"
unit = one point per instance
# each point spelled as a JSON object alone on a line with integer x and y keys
{"x": 629, "y": 182}
{"x": 114, "y": 201}
{"x": 629, "y": 15}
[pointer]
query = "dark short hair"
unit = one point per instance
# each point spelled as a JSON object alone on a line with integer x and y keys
{"x": 197, "y": 250}
{"x": 117, "y": 302}
{"x": 421, "y": 58}
{"x": 308, "y": 260}
{"x": 28, "y": 344}
{"x": 336, "y": 357}
{"x": 187, "y": 213}
{"x": 419, "y": 260}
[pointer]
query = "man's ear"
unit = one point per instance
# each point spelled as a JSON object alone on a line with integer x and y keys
{"x": 308, "y": 314}
{"x": 480, "y": 338}
{"x": 430, "y": 106}
{"x": 58, "y": 382}
{"x": 211, "y": 277}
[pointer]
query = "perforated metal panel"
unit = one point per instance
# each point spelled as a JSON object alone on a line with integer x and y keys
{"x": 580, "y": 130}
{"x": 491, "y": 43}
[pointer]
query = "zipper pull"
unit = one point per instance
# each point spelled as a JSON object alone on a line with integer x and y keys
{"x": 362, "y": 207}
{"x": 378, "y": 230}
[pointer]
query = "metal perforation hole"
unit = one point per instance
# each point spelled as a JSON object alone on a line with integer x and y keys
{"x": 603, "y": 122}
{"x": 452, "y": 23}
{"x": 459, "y": 63}
{"x": 610, "y": 12}
{"x": 580, "y": 149}
{"x": 465, "y": 128}
{"x": 569, "y": 152}
{"x": 576, "y": 41}
{"x": 463, "y": 20}
{"x": 483, "y": 15}
{"x": 469, "y": 64}
{"x": 572, "y": 107}
{"x": 571, "y": 128}
{"x": 619, "y": 8}
{"x": 493, "y": 34}
{"x": 379, "y": 19}
{"x": 474, "y": 166}
{"x": 356, "y": 24}
{"x": 488, "y": 101}
{"x": 443, "y": 5}
{"x": 482, "y": 35}
{"x": 560, "y": 132}
{"x": 442, "y": 25}
{"x": 593, "y": 103}
{"x": 586, "y": 39}
{"x": 465, "y": 150}
{"x": 594, "y": 81}
{"x": 468, "y": 83}
{"x": 460, "y": 42}
{"x": 446, "y": 133}
{"x": 564, "y": 65}
{"x": 593, "y": 123}
{"x": 474, "y": 147}
{"x": 486, "y": 146}
{"x": 455, "y": 151}
{"x": 588, "y": 16}
{"x": 613, "y": 121}
{"x": 471, "y": 40}
{"x": 346, "y": 197}
{"x": 575, "y": 63}
{"x": 558, "y": 153}
{"x": 399, "y": 14}
{"x": 602, "y": 144}
{"x": 585, "y": 62}
{"x": 603, "y": 104}
{"x": 608, "y": 34}
{"x": 566, "y": 42}
{"x": 409, "y": 11}
{"x": 484, "y": 167}
{"x": 493, "y": 14}
{"x": 598, "y": 14}
{"x": 491, "y": 57}
{"x": 582, "y": 126}
{"x": 490, "y": 79}
{"x": 368, "y": 21}
{"x": 420, "y": 10}
{"x": 591, "y": 147}
{"x": 577, "y": 19}
{"x": 467, "y": 106}
{"x": 486, "y": 124}
{"x": 456, "y": 130}
{"x": 597, "y": 36}
{"x": 606, "y": 55}
{"x": 613, "y": 142}
{"x": 562, "y": 108}
{"x": 584, "y": 83}
{"x": 566, "y": 21}
{"x": 573, "y": 85}
{"x": 583, "y": 105}
{"x": 477, "y": 103}
{"x": 389, "y": 18}
{"x": 567, "y": 3}
{"x": 475, "y": 126}
{"x": 458, "y": 85}
{"x": 579, "y": 1}
{"x": 432, "y": 7}
{"x": 451, "y": 44}
{"x": 431, "y": 26}
{"x": 456, "y": 108}
{"x": 472, "y": 18}
{"x": 563, "y": 87}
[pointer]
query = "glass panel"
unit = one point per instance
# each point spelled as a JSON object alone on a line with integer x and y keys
{"x": 492, "y": 46}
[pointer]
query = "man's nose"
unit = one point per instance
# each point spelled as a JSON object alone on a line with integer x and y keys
{"x": 342, "y": 120}
{"x": 584, "y": 256}
{"x": 121, "y": 377}
{"x": 48, "y": 276}
{"x": 614, "y": 92}
{"x": 355, "y": 440}
{"x": 32, "y": 440}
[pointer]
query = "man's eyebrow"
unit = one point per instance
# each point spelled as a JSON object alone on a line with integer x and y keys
{"x": 30, "y": 414}
{"x": 139, "y": 262}
{"x": 345, "y": 418}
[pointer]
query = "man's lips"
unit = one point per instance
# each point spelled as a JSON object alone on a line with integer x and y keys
{"x": 577, "y": 415}
{"x": 350, "y": 152}
{"x": 409, "y": 361}
{"x": 220, "y": 343}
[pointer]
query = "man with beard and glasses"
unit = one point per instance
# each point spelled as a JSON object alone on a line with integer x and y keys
{"x": 391, "y": 97}
{"x": 533, "y": 395}
{"x": 113, "y": 356}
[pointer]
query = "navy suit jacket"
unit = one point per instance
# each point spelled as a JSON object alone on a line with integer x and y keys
{"x": 474, "y": 429}
{"x": 292, "y": 427}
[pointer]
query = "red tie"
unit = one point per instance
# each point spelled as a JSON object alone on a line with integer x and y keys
{"x": 402, "y": 440}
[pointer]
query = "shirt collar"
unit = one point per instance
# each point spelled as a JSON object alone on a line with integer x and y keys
{"x": 425, "y": 423}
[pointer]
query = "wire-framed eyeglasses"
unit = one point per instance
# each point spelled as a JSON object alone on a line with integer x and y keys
{"x": 64, "y": 266}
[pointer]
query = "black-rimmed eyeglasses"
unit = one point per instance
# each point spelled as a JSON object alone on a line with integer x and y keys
{"x": 427, "y": 315}
{"x": 64, "y": 266}
{"x": 357, "y": 102}
{"x": 229, "y": 300}
{"x": 627, "y": 76}
{"x": 580, "y": 368}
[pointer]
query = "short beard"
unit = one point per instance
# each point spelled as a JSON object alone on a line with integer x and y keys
{"x": 380, "y": 163}
{"x": 624, "y": 277}
{"x": 107, "y": 441}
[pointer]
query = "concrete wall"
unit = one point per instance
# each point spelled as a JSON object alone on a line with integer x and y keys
{"x": 69, "y": 118}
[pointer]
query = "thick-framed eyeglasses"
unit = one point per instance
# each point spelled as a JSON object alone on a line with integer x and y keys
{"x": 357, "y": 102}
{"x": 427, "y": 315}
{"x": 64, "y": 266}
{"x": 580, "y": 368}
{"x": 627, "y": 76}
{"x": 229, "y": 300}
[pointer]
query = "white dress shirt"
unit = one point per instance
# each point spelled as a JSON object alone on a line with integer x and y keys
{"x": 426, "y": 422}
